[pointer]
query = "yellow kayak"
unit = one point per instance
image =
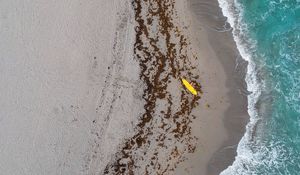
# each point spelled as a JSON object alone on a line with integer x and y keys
{"x": 189, "y": 86}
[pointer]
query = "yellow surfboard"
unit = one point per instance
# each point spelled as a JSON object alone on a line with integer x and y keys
{"x": 189, "y": 86}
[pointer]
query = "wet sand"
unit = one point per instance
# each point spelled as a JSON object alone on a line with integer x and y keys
{"x": 224, "y": 89}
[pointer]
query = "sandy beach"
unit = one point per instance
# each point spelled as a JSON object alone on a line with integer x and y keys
{"x": 95, "y": 87}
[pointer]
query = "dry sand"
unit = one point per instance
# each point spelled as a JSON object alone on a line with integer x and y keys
{"x": 68, "y": 84}
{"x": 94, "y": 87}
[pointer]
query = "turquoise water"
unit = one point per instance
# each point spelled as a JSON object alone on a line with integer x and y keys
{"x": 267, "y": 33}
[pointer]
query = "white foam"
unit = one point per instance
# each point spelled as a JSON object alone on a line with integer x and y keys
{"x": 234, "y": 13}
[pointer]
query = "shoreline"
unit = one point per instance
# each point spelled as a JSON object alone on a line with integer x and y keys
{"x": 187, "y": 135}
{"x": 236, "y": 116}
{"x": 207, "y": 19}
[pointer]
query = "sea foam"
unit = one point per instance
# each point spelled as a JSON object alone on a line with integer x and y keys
{"x": 245, "y": 158}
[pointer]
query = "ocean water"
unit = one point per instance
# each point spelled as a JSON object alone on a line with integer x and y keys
{"x": 267, "y": 33}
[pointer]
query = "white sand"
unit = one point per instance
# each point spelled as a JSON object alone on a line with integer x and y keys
{"x": 55, "y": 97}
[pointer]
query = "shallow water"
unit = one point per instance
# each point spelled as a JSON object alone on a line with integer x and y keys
{"x": 267, "y": 33}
